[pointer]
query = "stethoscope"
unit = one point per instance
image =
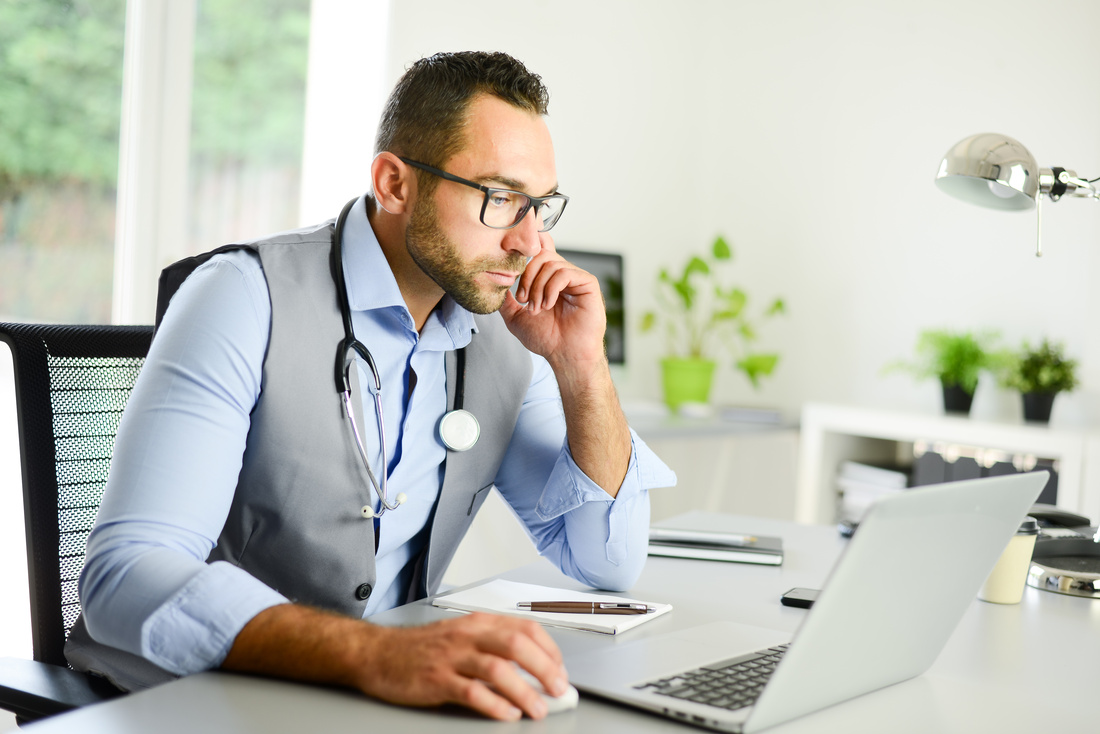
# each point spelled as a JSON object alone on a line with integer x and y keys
{"x": 458, "y": 428}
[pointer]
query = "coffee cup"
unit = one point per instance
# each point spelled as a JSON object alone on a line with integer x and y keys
{"x": 1006, "y": 581}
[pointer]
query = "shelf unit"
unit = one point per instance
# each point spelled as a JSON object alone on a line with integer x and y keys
{"x": 833, "y": 433}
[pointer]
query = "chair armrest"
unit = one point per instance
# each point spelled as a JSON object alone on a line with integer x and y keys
{"x": 33, "y": 690}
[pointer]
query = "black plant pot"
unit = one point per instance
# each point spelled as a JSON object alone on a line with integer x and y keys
{"x": 1037, "y": 406}
{"x": 956, "y": 399}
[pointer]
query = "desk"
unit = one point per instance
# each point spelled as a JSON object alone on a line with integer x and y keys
{"x": 1023, "y": 668}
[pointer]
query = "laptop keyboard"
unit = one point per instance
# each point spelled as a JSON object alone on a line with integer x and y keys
{"x": 729, "y": 684}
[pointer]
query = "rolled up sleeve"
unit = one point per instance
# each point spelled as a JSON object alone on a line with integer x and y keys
{"x": 146, "y": 587}
{"x": 596, "y": 539}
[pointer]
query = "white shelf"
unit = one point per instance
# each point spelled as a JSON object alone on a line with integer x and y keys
{"x": 832, "y": 433}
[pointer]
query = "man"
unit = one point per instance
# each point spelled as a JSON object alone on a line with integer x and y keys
{"x": 239, "y": 528}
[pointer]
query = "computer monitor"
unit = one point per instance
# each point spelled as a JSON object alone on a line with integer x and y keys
{"x": 608, "y": 269}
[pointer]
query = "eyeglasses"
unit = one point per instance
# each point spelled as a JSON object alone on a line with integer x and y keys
{"x": 504, "y": 208}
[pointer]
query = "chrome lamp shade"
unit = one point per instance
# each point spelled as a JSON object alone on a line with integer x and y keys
{"x": 990, "y": 170}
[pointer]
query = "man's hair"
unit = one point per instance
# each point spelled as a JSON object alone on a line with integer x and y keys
{"x": 425, "y": 116}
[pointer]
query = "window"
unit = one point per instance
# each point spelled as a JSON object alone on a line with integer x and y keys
{"x": 60, "y": 100}
{"x": 247, "y": 112}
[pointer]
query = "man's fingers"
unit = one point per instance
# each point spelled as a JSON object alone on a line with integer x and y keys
{"x": 476, "y": 695}
{"x": 503, "y": 679}
{"x": 510, "y": 307}
{"x": 535, "y": 651}
{"x": 546, "y": 281}
{"x": 547, "y": 242}
{"x": 546, "y": 255}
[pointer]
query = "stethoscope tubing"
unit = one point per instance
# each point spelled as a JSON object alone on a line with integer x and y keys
{"x": 463, "y": 436}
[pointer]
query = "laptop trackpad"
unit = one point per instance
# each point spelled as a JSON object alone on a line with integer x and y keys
{"x": 668, "y": 654}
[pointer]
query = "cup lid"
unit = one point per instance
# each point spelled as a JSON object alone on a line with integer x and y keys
{"x": 1030, "y": 526}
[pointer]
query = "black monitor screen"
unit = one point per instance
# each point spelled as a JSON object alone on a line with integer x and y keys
{"x": 608, "y": 269}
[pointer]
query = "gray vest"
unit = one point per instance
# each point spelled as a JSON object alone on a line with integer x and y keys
{"x": 295, "y": 521}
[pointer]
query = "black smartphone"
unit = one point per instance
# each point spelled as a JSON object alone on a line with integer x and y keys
{"x": 803, "y": 598}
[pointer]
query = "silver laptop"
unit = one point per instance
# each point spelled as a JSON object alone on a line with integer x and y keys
{"x": 939, "y": 542}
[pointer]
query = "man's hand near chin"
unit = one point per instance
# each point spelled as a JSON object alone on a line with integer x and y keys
{"x": 469, "y": 660}
{"x": 558, "y": 313}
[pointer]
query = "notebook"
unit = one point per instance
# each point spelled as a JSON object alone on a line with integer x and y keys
{"x": 500, "y": 596}
{"x": 715, "y": 546}
{"x": 941, "y": 541}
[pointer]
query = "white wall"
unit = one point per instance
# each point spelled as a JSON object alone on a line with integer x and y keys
{"x": 809, "y": 134}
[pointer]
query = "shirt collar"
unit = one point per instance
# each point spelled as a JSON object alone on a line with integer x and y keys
{"x": 371, "y": 284}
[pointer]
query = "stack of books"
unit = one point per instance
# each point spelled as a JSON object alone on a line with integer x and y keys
{"x": 859, "y": 484}
{"x": 716, "y": 546}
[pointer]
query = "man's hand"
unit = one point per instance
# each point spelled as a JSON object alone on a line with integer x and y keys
{"x": 469, "y": 660}
{"x": 558, "y": 310}
{"x": 564, "y": 320}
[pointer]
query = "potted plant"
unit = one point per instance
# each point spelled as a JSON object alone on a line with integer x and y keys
{"x": 700, "y": 313}
{"x": 1040, "y": 374}
{"x": 956, "y": 359}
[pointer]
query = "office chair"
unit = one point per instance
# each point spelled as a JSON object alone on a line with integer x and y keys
{"x": 71, "y": 385}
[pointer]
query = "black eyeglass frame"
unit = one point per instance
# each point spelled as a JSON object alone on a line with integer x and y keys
{"x": 532, "y": 201}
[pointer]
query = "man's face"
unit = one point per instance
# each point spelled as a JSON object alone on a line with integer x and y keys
{"x": 505, "y": 147}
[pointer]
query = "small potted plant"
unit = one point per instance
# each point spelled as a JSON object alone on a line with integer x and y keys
{"x": 700, "y": 313}
{"x": 1040, "y": 374}
{"x": 956, "y": 359}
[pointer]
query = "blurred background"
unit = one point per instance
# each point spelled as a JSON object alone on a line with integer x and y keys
{"x": 807, "y": 134}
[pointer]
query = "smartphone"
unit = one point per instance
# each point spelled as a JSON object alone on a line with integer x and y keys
{"x": 803, "y": 598}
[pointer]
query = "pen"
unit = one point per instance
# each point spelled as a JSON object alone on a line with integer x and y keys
{"x": 584, "y": 607}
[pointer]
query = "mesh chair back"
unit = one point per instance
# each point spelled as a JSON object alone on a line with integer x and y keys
{"x": 71, "y": 383}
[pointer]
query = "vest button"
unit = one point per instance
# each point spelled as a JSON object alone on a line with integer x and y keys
{"x": 363, "y": 592}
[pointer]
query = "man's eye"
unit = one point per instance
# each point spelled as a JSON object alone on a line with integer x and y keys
{"x": 501, "y": 198}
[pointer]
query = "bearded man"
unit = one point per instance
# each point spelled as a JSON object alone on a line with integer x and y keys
{"x": 322, "y": 413}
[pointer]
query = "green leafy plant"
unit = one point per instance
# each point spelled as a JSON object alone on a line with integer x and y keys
{"x": 1042, "y": 369}
{"x": 954, "y": 358}
{"x": 699, "y": 312}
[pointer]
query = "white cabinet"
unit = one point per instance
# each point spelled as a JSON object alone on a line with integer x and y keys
{"x": 832, "y": 433}
{"x": 723, "y": 466}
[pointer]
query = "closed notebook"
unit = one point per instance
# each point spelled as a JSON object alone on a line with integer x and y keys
{"x": 716, "y": 546}
{"x": 500, "y": 597}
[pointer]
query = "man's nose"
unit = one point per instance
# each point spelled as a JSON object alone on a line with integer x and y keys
{"x": 524, "y": 237}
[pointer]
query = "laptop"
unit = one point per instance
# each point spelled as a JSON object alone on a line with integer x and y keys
{"x": 883, "y": 616}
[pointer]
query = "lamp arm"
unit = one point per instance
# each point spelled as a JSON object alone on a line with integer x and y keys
{"x": 1058, "y": 182}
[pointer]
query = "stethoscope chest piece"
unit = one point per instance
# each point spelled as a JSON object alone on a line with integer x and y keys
{"x": 459, "y": 430}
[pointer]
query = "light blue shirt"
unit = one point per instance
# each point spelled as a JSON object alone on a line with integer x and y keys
{"x": 146, "y": 587}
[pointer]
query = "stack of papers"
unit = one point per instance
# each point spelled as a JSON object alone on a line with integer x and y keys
{"x": 501, "y": 597}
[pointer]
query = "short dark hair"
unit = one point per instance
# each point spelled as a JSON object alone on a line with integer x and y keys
{"x": 425, "y": 115}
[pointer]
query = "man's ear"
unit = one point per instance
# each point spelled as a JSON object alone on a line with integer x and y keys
{"x": 393, "y": 183}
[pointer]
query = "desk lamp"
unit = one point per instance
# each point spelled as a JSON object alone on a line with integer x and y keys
{"x": 998, "y": 172}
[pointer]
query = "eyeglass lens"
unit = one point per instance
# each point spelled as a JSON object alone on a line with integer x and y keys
{"x": 503, "y": 209}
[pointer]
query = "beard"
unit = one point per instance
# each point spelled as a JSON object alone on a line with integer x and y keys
{"x": 441, "y": 260}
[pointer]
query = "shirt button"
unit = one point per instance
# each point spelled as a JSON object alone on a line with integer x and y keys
{"x": 363, "y": 592}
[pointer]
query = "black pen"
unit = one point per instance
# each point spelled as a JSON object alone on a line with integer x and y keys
{"x": 584, "y": 607}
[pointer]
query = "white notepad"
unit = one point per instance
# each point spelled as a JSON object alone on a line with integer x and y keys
{"x": 500, "y": 597}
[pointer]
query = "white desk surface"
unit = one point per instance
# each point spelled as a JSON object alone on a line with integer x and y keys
{"x": 1029, "y": 667}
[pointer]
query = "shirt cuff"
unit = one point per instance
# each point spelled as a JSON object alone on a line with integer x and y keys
{"x": 569, "y": 487}
{"x": 194, "y": 630}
